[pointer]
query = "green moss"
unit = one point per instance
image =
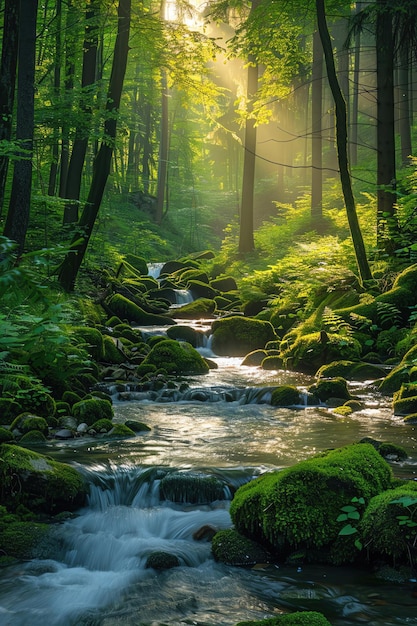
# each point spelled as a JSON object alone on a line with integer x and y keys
{"x": 127, "y": 332}
{"x": 184, "y": 333}
{"x": 298, "y": 506}
{"x": 201, "y": 308}
{"x": 230, "y": 547}
{"x": 19, "y": 539}
{"x": 393, "y": 381}
{"x": 193, "y": 274}
{"x": 380, "y": 526}
{"x": 138, "y": 262}
{"x": 128, "y": 310}
{"x": 343, "y": 410}
{"x": 272, "y": 362}
{"x": 301, "y": 618}
{"x": 27, "y": 422}
{"x": 102, "y": 425}
{"x": 191, "y": 487}
{"x": 5, "y": 435}
{"x": 309, "y": 352}
{"x": 237, "y": 335}
{"x": 113, "y": 321}
{"x": 91, "y": 410}
{"x": 112, "y": 351}
{"x": 285, "y": 395}
{"x": 351, "y": 370}
{"x": 405, "y": 406}
{"x": 9, "y": 409}
{"x": 224, "y": 283}
{"x": 92, "y": 340}
{"x": 137, "y": 427}
{"x": 32, "y": 437}
{"x": 71, "y": 397}
{"x": 121, "y": 430}
{"x": 176, "y": 358}
{"x": 387, "y": 449}
{"x": 325, "y": 389}
{"x": 145, "y": 368}
{"x": 162, "y": 560}
{"x": 38, "y": 482}
{"x": 255, "y": 358}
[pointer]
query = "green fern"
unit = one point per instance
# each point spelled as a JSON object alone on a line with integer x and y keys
{"x": 333, "y": 323}
{"x": 388, "y": 315}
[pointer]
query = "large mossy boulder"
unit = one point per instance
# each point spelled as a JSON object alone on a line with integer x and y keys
{"x": 199, "y": 289}
{"x": 192, "y": 488}
{"x": 387, "y": 525}
{"x": 138, "y": 262}
{"x": 297, "y": 508}
{"x": 91, "y": 339}
{"x": 38, "y": 482}
{"x": 26, "y": 422}
{"x": 327, "y": 388}
{"x": 177, "y": 358}
{"x": 300, "y": 618}
{"x": 351, "y": 370}
{"x": 125, "y": 309}
{"x": 91, "y": 410}
{"x": 285, "y": 396}
{"x": 200, "y": 308}
{"x": 237, "y": 335}
{"x": 230, "y": 547}
{"x": 309, "y": 352}
{"x": 224, "y": 283}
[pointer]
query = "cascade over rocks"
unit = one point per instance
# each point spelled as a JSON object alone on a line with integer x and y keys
{"x": 236, "y": 335}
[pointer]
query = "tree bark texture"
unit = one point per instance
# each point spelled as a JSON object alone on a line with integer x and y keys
{"x": 102, "y": 162}
{"x": 342, "y": 147}
{"x": 19, "y": 207}
{"x": 316, "y": 131}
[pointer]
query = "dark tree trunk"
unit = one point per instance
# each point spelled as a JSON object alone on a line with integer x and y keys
{"x": 404, "y": 104}
{"x": 7, "y": 83}
{"x": 316, "y": 132}
{"x": 102, "y": 162}
{"x": 79, "y": 148}
{"x": 53, "y": 171}
{"x": 342, "y": 149}
{"x": 386, "y": 171}
{"x": 70, "y": 54}
{"x": 19, "y": 208}
{"x": 355, "y": 98}
{"x": 163, "y": 151}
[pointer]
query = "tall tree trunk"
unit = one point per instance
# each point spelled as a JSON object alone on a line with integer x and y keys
{"x": 53, "y": 171}
{"x": 246, "y": 240}
{"x": 316, "y": 132}
{"x": 386, "y": 170}
{"x": 342, "y": 149}
{"x": 19, "y": 208}
{"x": 404, "y": 104}
{"x": 70, "y": 39}
{"x": 79, "y": 148}
{"x": 355, "y": 98}
{"x": 7, "y": 83}
{"x": 102, "y": 162}
{"x": 163, "y": 150}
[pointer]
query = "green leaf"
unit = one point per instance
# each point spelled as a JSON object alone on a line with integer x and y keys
{"x": 358, "y": 544}
{"x": 348, "y": 509}
{"x": 354, "y": 515}
{"x": 342, "y": 517}
{"x": 348, "y": 530}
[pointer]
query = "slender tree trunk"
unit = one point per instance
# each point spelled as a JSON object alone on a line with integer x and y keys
{"x": 7, "y": 83}
{"x": 316, "y": 132}
{"x": 246, "y": 240}
{"x": 19, "y": 208}
{"x": 53, "y": 171}
{"x": 70, "y": 39}
{"x": 404, "y": 104}
{"x": 163, "y": 150}
{"x": 355, "y": 98}
{"x": 386, "y": 170}
{"x": 342, "y": 150}
{"x": 102, "y": 162}
{"x": 79, "y": 148}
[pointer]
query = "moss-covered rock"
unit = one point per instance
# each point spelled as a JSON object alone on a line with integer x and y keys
{"x": 237, "y": 335}
{"x": 178, "y": 358}
{"x": 9, "y": 409}
{"x": 102, "y": 426}
{"x": 91, "y": 339}
{"x": 120, "y": 431}
{"x": 309, "y": 352}
{"x": 199, "y": 289}
{"x": 19, "y": 539}
{"x": 272, "y": 362}
{"x": 405, "y": 406}
{"x": 351, "y": 370}
{"x": 32, "y": 437}
{"x": 254, "y": 358}
{"x": 126, "y": 309}
{"x": 224, "y": 283}
{"x": 285, "y": 395}
{"x": 5, "y": 435}
{"x": 298, "y": 507}
{"x": 162, "y": 560}
{"x": 230, "y": 547}
{"x": 92, "y": 409}
{"x": 327, "y": 388}
{"x": 393, "y": 381}
{"x": 385, "y": 526}
{"x": 38, "y": 482}
{"x": 138, "y": 262}
{"x": 137, "y": 427}
{"x": 191, "y": 487}
{"x": 113, "y": 351}
{"x": 201, "y": 308}
{"x": 27, "y": 422}
{"x": 186, "y": 333}
{"x": 300, "y": 618}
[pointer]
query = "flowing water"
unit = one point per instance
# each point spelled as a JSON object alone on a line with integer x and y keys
{"x": 221, "y": 426}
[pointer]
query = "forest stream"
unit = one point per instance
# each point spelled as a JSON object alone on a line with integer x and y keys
{"x": 221, "y": 427}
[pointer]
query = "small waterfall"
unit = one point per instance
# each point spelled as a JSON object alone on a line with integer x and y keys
{"x": 182, "y": 296}
{"x": 154, "y": 269}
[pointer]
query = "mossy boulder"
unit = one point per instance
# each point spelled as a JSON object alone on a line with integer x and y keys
{"x": 393, "y": 381}
{"x": 254, "y": 358}
{"x": 201, "y": 308}
{"x": 138, "y": 262}
{"x": 179, "y": 358}
{"x": 102, "y": 426}
{"x": 382, "y": 528}
{"x": 351, "y": 370}
{"x": 300, "y": 618}
{"x": 193, "y": 275}
{"x": 237, "y": 335}
{"x": 272, "y": 362}
{"x": 92, "y": 409}
{"x": 405, "y": 406}
{"x": 201, "y": 290}
{"x": 162, "y": 560}
{"x": 38, "y": 482}
{"x": 27, "y": 422}
{"x": 327, "y": 388}
{"x": 32, "y": 437}
{"x": 230, "y": 547}
{"x": 20, "y": 539}
{"x": 191, "y": 487}
{"x": 126, "y": 309}
{"x": 298, "y": 507}
{"x": 224, "y": 283}
{"x": 186, "y": 333}
{"x": 113, "y": 351}
{"x": 309, "y": 352}
{"x": 121, "y": 431}
{"x": 5, "y": 435}
{"x": 91, "y": 339}
{"x": 9, "y": 409}
{"x": 285, "y": 395}
{"x": 137, "y": 427}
